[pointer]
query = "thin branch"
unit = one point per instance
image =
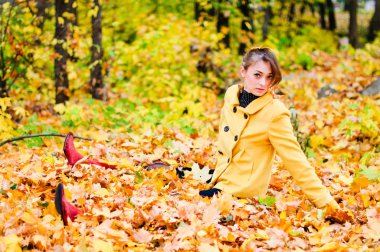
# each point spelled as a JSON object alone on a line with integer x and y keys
{"x": 9, "y": 18}
{"x": 11, "y": 84}
{"x": 40, "y": 135}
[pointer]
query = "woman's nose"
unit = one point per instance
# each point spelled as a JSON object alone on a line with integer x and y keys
{"x": 262, "y": 81}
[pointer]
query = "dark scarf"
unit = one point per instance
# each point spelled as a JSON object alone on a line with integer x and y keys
{"x": 246, "y": 98}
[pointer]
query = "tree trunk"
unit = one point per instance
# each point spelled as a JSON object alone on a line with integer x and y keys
{"x": 307, "y": 3}
{"x": 201, "y": 14}
{"x": 353, "y": 25}
{"x": 222, "y": 24}
{"x": 60, "y": 67}
{"x": 247, "y": 26}
{"x": 346, "y": 6}
{"x": 267, "y": 17}
{"x": 311, "y": 6}
{"x": 42, "y": 5}
{"x": 374, "y": 25}
{"x": 3, "y": 88}
{"x": 96, "y": 78}
{"x": 282, "y": 7}
{"x": 322, "y": 13}
{"x": 303, "y": 8}
{"x": 331, "y": 15}
{"x": 292, "y": 11}
{"x": 73, "y": 10}
{"x": 197, "y": 11}
{"x": 72, "y": 21}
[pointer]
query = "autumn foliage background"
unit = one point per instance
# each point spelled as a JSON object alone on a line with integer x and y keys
{"x": 159, "y": 107}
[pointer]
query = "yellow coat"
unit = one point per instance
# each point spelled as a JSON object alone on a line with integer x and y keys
{"x": 248, "y": 140}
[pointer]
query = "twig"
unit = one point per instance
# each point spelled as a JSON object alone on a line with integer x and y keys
{"x": 40, "y": 135}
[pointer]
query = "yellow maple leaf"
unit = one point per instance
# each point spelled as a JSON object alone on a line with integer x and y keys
{"x": 29, "y": 219}
{"x": 102, "y": 192}
{"x": 316, "y": 140}
{"x": 102, "y": 246}
{"x": 40, "y": 241}
{"x": 11, "y": 243}
{"x": 60, "y": 108}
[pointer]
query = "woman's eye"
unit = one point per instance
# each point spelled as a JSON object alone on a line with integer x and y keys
{"x": 257, "y": 75}
{"x": 270, "y": 77}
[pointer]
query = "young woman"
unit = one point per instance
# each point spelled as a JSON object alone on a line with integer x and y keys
{"x": 253, "y": 127}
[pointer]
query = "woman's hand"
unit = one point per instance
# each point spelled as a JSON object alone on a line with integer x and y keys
{"x": 337, "y": 214}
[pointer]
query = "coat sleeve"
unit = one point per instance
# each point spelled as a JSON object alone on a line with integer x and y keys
{"x": 283, "y": 140}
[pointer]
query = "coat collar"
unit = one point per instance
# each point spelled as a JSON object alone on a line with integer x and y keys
{"x": 233, "y": 99}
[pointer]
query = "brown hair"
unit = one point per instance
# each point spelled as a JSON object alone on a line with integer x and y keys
{"x": 256, "y": 54}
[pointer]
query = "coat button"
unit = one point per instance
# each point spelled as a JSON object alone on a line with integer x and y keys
{"x": 235, "y": 109}
{"x": 221, "y": 153}
{"x": 236, "y": 138}
{"x": 226, "y": 128}
{"x": 228, "y": 160}
{"x": 245, "y": 116}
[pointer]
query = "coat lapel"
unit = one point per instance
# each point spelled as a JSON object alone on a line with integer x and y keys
{"x": 255, "y": 105}
{"x": 259, "y": 103}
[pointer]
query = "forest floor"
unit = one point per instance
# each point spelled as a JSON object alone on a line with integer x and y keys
{"x": 139, "y": 209}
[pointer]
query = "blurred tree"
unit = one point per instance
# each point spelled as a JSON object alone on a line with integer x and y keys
{"x": 42, "y": 6}
{"x": 198, "y": 11}
{"x": 331, "y": 15}
{"x": 374, "y": 25}
{"x": 282, "y": 8}
{"x": 346, "y": 6}
{"x": 292, "y": 11}
{"x": 73, "y": 12}
{"x": 247, "y": 26}
{"x": 41, "y": 12}
{"x": 322, "y": 13}
{"x": 267, "y": 17}
{"x": 203, "y": 10}
{"x": 60, "y": 61}
{"x": 307, "y": 3}
{"x": 96, "y": 77}
{"x": 222, "y": 24}
{"x": 13, "y": 57}
{"x": 72, "y": 19}
{"x": 353, "y": 23}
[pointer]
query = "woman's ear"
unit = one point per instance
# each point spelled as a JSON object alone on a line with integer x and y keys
{"x": 242, "y": 72}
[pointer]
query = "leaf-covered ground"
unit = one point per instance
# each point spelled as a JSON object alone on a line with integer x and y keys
{"x": 138, "y": 209}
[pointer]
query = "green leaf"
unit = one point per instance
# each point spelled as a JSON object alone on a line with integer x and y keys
{"x": 139, "y": 177}
{"x": 295, "y": 232}
{"x": 168, "y": 143}
{"x": 13, "y": 186}
{"x": 353, "y": 106}
{"x": 188, "y": 129}
{"x": 229, "y": 218}
{"x": 37, "y": 142}
{"x": 3, "y": 192}
{"x": 310, "y": 153}
{"x": 371, "y": 174}
{"x": 43, "y": 204}
{"x": 366, "y": 158}
{"x": 268, "y": 201}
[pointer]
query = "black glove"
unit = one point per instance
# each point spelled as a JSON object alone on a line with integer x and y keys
{"x": 181, "y": 173}
{"x": 209, "y": 193}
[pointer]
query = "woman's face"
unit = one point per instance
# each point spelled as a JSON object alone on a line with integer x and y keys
{"x": 257, "y": 78}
